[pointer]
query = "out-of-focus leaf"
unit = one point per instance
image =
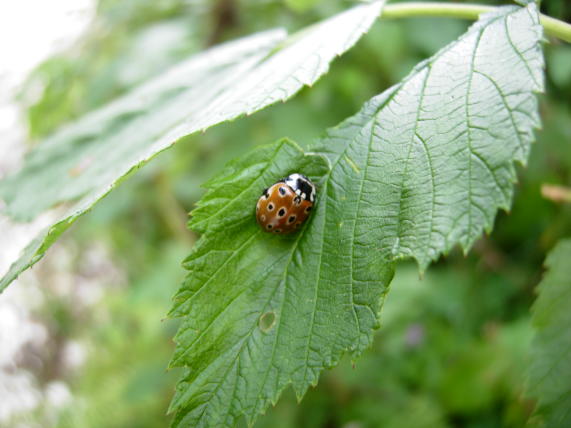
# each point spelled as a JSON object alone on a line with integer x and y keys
{"x": 550, "y": 370}
{"x": 86, "y": 160}
{"x": 301, "y": 5}
{"x": 559, "y": 65}
{"x": 422, "y": 167}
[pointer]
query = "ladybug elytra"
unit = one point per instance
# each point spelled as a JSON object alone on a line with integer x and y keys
{"x": 284, "y": 206}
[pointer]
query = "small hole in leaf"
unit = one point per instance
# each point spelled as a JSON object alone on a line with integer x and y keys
{"x": 267, "y": 321}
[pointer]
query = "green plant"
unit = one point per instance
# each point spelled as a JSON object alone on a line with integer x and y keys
{"x": 423, "y": 166}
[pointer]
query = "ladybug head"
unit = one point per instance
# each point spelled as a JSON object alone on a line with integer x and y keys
{"x": 301, "y": 185}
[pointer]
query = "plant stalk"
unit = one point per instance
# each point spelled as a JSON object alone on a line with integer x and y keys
{"x": 552, "y": 26}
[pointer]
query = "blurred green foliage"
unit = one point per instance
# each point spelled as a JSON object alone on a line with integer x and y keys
{"x": 130, "y": 344}
{"x": 549, "y": 370}
{"x": 452, "y": 348}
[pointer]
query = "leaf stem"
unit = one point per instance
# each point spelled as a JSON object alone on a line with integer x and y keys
{"x": 553, "y": 27}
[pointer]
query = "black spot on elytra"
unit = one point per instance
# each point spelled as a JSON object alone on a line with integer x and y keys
{"x": 291, "y": 219}
{"x": 281, "y": 212}
{"x": 270, "y": 207}
{"x": 282, "y": 191}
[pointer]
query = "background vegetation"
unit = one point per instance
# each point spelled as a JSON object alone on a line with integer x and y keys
{"x": 452, "y": 347}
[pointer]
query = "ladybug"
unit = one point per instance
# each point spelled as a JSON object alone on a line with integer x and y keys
{"x": 284, "y": 206}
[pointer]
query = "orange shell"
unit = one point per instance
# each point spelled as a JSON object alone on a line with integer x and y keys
{"x": 281, "y": 211}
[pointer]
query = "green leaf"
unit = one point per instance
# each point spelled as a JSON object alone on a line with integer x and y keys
{"x": 431, "y": 160}
{"x": 83, "y": 162}
{"x": 422, "y": 167}
{"x": 256, "y": 318}
{"x": 550, "y": 369}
